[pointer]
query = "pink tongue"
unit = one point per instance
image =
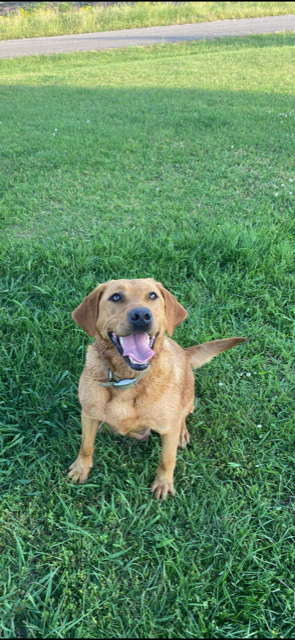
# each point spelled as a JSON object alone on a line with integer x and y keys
{"x": 137, "y": 347}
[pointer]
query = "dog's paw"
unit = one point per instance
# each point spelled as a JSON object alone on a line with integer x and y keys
{"x": 184, "y": 438}
{"x": 78, "y": 472}
{"x": 161, "y": 488}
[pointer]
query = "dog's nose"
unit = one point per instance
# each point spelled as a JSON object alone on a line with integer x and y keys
{"x": 140, "y": 317}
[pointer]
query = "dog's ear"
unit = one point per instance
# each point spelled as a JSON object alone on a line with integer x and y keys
{"x": 86, "y": 313}
{"x": 175, "y": 313}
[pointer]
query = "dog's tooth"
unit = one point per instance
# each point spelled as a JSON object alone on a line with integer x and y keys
{"x": 121, "y": 340}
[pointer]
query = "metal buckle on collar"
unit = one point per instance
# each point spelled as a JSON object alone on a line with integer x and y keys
{"x": 126, "y": 383}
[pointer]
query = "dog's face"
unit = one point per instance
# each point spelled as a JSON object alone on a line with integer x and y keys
{"x": 132, "y": 315}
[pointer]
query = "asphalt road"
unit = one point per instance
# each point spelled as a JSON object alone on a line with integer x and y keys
{"x": 141, "y": 37}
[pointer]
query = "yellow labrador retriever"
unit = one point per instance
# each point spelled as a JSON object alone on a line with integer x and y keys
{"x": 136, "y": 378}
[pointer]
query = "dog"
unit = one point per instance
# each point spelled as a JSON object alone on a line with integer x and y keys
{"x": 136, "y": 379}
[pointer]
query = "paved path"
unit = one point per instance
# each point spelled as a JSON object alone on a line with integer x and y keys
{"x": 140, "y": 37}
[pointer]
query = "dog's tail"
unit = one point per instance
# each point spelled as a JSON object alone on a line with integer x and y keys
{"x": 197, "y": 356}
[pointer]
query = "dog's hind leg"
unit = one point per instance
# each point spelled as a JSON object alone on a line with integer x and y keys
{"x": 184, "y": 437}
{"x": 79, "y": 470}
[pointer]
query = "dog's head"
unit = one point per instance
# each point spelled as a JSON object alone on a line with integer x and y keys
{"x": 132, "y": 315}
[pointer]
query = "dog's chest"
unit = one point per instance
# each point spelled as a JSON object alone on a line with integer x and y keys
{"x": 124, "y": 414}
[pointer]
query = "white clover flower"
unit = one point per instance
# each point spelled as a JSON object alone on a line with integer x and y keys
{"x": 276, "y": 194}
{"x": 55, "y": 129}
{"x": 290, "y": 193}
{"x": 232, "y": 146}
{"x": 53, "y": 134}
{"x": 260, "y": 436}
{"x": 220, "y": 384}
{"x": 185, "y": 181}
{"x": 269, "y": 112}
{"x": 59, "y": 170}
{"x": 281, "y": 121}
{"x": 248, "y": 374}
{"x": 259, "y": 426}
{"x": 291, "y": 180}
{"x": 157, "y": 188}
{"x": 282, "y": 185}
{"x": 88, "y": 121}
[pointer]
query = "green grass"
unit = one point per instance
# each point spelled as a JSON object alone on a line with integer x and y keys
{"x": 45, "y": 20}
{"x": 174, "y": 176}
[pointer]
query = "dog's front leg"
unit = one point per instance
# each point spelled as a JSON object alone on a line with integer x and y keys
{"x": 79, "y": 470}
{"x": 163, "y": 483}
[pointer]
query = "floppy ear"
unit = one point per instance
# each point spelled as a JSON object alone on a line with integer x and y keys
{"x": 86, "y": 313}
{"x": 175, "y": 313}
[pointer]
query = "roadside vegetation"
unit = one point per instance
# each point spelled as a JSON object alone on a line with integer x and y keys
{"x": 175, "y": 162}
{"x": 47, "y": 19}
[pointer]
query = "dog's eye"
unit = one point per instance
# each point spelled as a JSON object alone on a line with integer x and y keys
{"x": 116, "y": 297}
{"x": 153, "y": 295}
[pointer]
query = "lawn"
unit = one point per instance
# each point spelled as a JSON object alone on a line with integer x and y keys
{"x": 175, "y": 162}
{"x": 49, "y": 19}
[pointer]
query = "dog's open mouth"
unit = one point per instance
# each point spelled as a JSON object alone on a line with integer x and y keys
{"x": 136, "y": 349}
